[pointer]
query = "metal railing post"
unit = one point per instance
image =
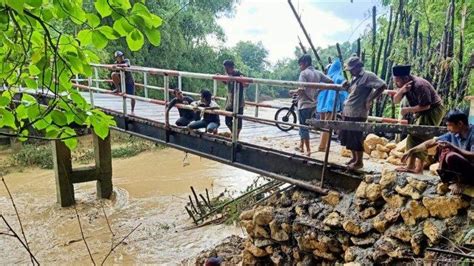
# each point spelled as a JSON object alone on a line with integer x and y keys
{"x": 96, "y": 75}
{"x": 123, "y": 89}
{"x": 166, "y": 87}
{"x": 214, "y": 88}
{"x": 91, "y": 93}
{"x": 256, "y": 99}
{"x": 180, "y": 84}
{"x": 145, "y": 84}
{"x": 235, "y": 111}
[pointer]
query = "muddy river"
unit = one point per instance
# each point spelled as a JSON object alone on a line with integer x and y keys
{"x": 150, "y": 189}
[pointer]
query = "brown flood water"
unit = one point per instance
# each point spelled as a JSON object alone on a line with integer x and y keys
{"x": 150, "y": 189}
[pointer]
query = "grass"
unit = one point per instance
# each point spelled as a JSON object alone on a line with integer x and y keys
{"x": 41, "y": 155}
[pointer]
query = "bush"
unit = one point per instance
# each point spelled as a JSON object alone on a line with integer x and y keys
{"x": 34, "y": 155}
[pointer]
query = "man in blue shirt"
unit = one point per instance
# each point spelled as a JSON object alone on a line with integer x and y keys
{"x": 455, "y": 152}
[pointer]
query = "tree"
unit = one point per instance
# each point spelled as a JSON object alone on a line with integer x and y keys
{"x": 253, "y": 55}
{"x": 37, "y": 51}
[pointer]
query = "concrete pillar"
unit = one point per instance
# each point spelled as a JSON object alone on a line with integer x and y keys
{"x": 63, "y": 170}
{"x": 103, "y": 162}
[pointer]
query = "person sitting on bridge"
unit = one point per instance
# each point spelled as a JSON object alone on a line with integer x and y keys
{"x": 230, "y": 70}
{"x": 424, "y": 102}
{"x": 210, "y": 122}
{"x": 306, "y": 98}
{"x": 186, "y": 116}
{"x": 455, "y": 152}
{"x": 364, "y": 87}
{"x": 121, "y": 61}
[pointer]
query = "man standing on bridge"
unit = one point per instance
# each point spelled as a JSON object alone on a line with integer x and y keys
{"x": 230, "y": 70}
{"x": 306, "y": 98}
{"x": 121, "y": 61}
{"x": 425, "y": 103}
{"x": 364, "y": 87}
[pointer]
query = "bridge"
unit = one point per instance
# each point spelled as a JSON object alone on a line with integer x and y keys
{"x": 252, "y": 150}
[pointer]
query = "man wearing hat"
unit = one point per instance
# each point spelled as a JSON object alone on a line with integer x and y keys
{"x": 121, "y": 61}
{"x": 424, "y": 102}
{"x": 363, "y": 88}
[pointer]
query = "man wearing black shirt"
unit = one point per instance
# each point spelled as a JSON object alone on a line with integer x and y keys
{"x": 229, "y": 104}
{"x": 185, "y": 115}
{"x": 121, "y": 61}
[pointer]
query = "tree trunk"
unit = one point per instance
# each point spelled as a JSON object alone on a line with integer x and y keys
{"x": 379, "y": 54}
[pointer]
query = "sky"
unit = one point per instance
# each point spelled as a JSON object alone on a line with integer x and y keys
{"x": 272, "y": 22}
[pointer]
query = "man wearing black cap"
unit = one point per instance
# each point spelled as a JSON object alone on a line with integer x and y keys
{"x": 121, "y": 61}
{"x": 230, "y": 70}
{"x": 425, "y": 103}
{"x": 364, "y": 87}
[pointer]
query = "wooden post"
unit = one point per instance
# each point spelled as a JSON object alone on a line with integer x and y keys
{"x": 62, "y": 170}
{"x": 103, "y": 162}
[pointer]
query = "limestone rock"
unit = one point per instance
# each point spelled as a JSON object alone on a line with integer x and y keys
{"x": 277, "y": 233}
{"x": 380, "y": 224}
{"x": 373, "y": 192}
{"x": 306, "y": 243}
{"x": 260, "y": 231}
{"x": 416, "y": 242}
{"x": 324, "y": 255}
{"x": 262, "y": 242}
{"x": 286, "y": 227}
{"x": 408, "y": 191}
{"x": 394, "y": 160}
{"x": 248, "y": 258}
{"x": 413, "y": 212}
{"x": 393, "y": 200}
{"x": 332, "y": 198}
{"x": 354, "y": 228}
{"x": 401, "y": 146}
{"x": 371, "y": 141}
{"x": 360, "y": 192}
{"x": 378, "y": 154}
{"x": 444, "y": 206}
{"x": 434, "y": 230}
{"x": 255, "y": 251}
{"x": 382, "y": 148}
{"x": 269, "y": 249}
{"x": 391, "y": 146}
{"x": 247, "y": 215}
{"x": 346, "y": 153}
{"x": 351, "y": 253}
{"x": 392, "y": 248}
{"x": 248, "y": 225}
{"x": 418, "y": 184}
{"x": 276, "y": 258}
{"x": 442, "y": 188}
{"x": 364, "y": 241}
{"x": 300, "y": 210}
{"x": 388, "y": 177}
{"x": 333, "y": 220}
{"x": 263, "y": 216}
{"x": 433, "y": 168}
{"x": 400, "y": 232}
{"x": 368, "y": 213}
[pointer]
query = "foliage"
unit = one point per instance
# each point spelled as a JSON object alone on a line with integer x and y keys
{"x": 39, "y": 51}
{"x": 34, "y": 155}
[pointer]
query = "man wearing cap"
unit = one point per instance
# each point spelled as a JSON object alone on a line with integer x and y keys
{"x": 121, "y": 61}
{"x": 186, "y": 116}
{"x": 364, "y": 87}
{"x": 230, "y": 70}
{"x": 425, "y": 103}
{"x": 306, "y": 98}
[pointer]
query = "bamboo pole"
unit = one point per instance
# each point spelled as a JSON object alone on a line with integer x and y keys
{"x": 339, "y": 54}
{"x": 374, "y": 37}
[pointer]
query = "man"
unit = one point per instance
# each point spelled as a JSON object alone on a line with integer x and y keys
{"x": 306, "y": 98}
{"x": 230, "y": 70}
{"x": 455, "y": 152}
{"x": 121, "y": 61}
{"x": 210, "y": 122}
{"x": 424, "y": 102}
{"x": 185, "y": 115}
{"x": 364, "y": 87}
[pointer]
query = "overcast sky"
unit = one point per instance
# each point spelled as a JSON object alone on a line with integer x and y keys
{"x": 273, "y": 23}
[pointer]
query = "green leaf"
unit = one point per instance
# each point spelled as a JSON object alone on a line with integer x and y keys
{"x": 4, "y": 101}
{"x": 40, "y": 124}
{"x": 28, "y": 98}
{"x": 59, "y": 118}
{"x": 68, "y": 132}
{"x": 21, "y": 112}
{"x": 34, "y": 70}
{"x": 153, "y": 35}
{"x": 33, "y": 112}
{"x": 85, "y": 37}
{"x": 109, "y": 32}
{"x": 135, "y": 40}
{"x": 123, "y": 27}
{"x": 31, "y": 83}
{"x": 99, "y": 40}
{"x": 7, "y": 119}
{"x": 24, "y": 133}
{"x": 76, "y": 66}
{"x": 103, "y": 8}
{"x": 17, "y": 5}
{"x": 93, "y": 20}
{"x": 34, "y": 3}
{"x": 52, "y": 131}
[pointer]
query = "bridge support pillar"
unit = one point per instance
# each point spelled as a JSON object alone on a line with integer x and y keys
{"x": 66, "y": 176}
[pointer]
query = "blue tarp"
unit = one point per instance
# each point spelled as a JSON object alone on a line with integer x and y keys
{"x": 325, "y": 99}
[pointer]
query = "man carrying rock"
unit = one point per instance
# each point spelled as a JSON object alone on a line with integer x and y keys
{"x": 306, "y": 98}
{"x": 455, "y": 152}
{"x": 424, "y": 102}
{"x": 364, "y": 87}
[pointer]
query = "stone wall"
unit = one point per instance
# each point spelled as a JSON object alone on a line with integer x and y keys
{"x": 389, "y": 218}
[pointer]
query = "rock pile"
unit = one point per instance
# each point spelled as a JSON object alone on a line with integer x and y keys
{"x": 389, "y": 218}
